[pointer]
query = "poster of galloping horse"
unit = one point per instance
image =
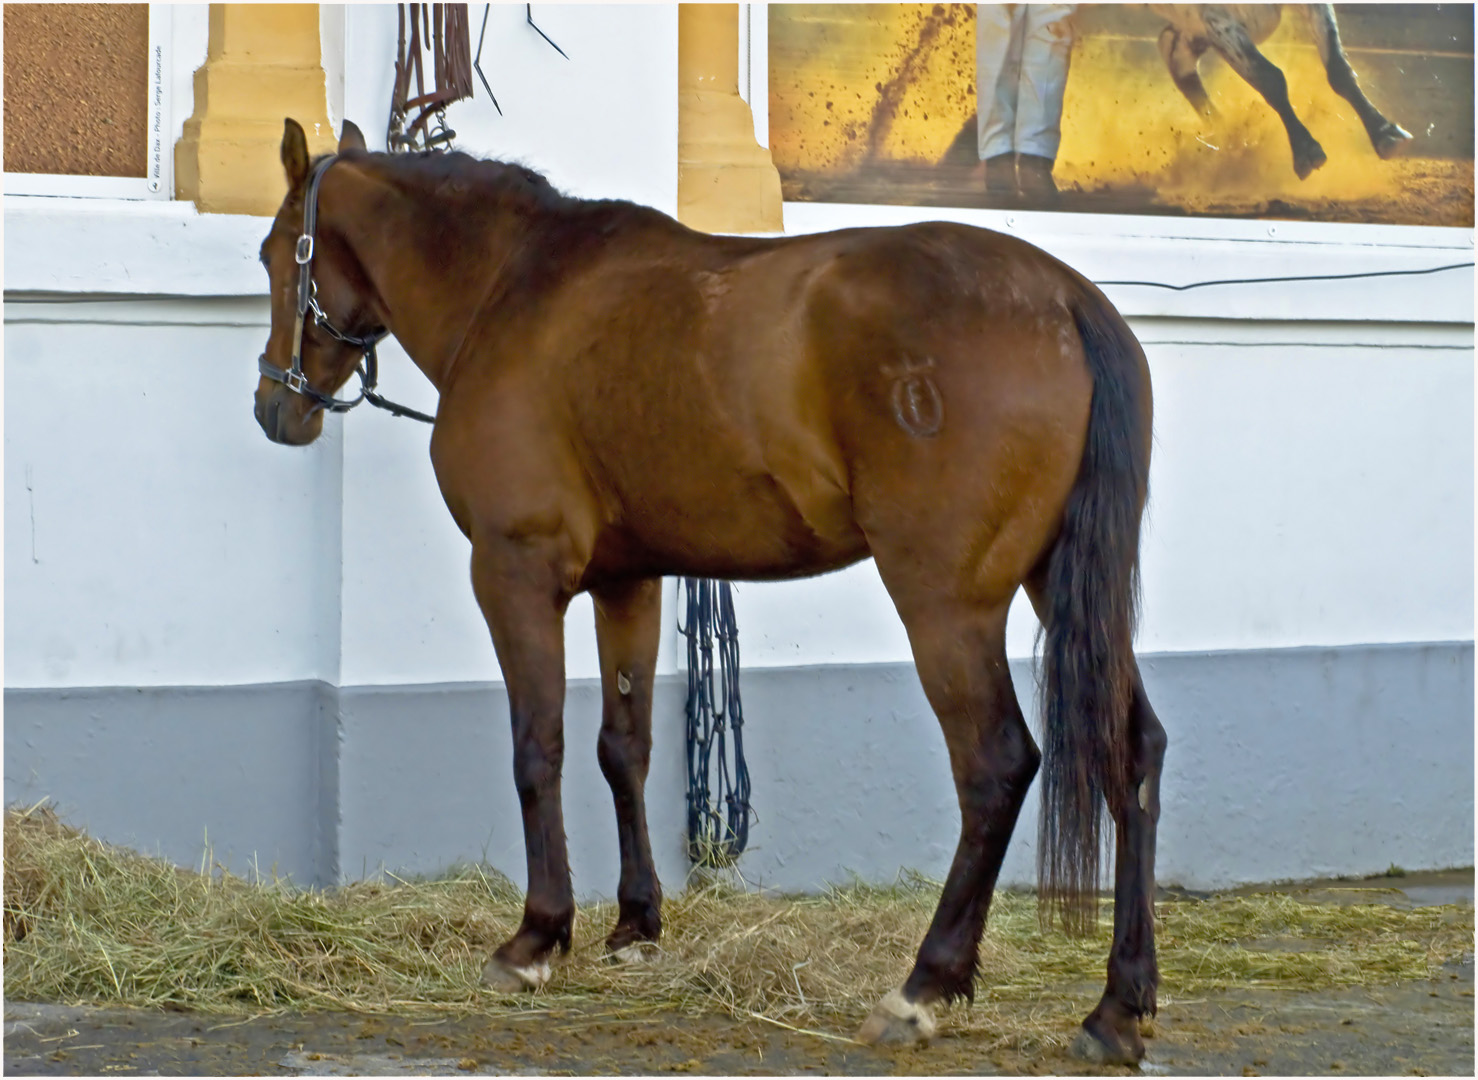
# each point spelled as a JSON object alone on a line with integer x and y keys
{"x": 1316, "y": 112}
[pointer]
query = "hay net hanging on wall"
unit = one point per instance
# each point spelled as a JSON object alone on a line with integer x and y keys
{"x": 444, "y": 31}
{"x": 718, "y": 777}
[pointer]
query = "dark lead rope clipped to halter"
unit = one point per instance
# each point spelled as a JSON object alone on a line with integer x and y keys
{"x": 718, "y": 812}
{"x": 369, "y": 369}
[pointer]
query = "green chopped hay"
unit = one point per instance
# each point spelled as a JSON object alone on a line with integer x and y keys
{"x": 89, "y": 923}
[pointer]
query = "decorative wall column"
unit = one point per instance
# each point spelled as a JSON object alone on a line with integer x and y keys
{"x": 726, "y": 181}
{"x": 262, "y": 64}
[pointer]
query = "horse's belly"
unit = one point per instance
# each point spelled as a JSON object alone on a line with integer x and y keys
{"x": 755, "y": 536}
{"x": 1259, "y": 20}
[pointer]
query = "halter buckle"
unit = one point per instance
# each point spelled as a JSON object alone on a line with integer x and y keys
{"x": 304, "y": 251}
{"x": 295, "y": 381}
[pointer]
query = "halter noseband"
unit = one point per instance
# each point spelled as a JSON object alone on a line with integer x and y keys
{"x": 368, "y": 369}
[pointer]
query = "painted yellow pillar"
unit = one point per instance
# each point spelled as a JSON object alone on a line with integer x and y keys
{"x": 262, "y": 64}
{"x": 726, "y": 181}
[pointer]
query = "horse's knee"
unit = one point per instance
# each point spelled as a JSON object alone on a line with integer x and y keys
{"x": 537, "y": 761}
{"x": 622, "y": 754}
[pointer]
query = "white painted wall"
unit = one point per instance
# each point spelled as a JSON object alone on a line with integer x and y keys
{"x": 1312, "y": 485}
{"x": 153, "y": 536}
{"x": 601, "y": 124}
{"x": 1313, "y": 477}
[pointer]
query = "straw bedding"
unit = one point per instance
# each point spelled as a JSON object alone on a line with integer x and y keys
{"x": 86, "y": 922}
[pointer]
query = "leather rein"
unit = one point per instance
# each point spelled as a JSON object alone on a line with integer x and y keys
{"x": 368, "y": 367}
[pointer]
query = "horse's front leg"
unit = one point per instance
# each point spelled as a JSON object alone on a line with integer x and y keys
{"x": 518, "y": 588}
{"x": 628, "y": 623}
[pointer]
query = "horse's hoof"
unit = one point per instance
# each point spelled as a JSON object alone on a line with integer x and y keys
{"x": 637, "y": 952}
{"x": 1390, "y": 140}
{"x": 1090, "y": 1048}
{"x": 897, "y": 1020}
{"x": 1306, "y": 163}
{"x": 507, "y": 979}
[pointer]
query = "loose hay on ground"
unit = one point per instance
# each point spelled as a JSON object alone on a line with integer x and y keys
{"x": 86, "y": 922}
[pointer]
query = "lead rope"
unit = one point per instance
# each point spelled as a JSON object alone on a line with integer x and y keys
{"x": 718, "y": 811}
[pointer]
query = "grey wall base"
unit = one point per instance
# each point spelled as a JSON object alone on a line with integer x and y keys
{"x": 1282, "y": 764}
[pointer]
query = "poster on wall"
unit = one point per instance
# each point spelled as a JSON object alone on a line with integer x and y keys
{"x": 1350, "y": 113}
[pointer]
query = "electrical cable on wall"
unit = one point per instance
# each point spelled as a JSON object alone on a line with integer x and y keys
{"x": 1292, "y": 277}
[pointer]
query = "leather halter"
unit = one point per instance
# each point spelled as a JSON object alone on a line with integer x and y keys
{"x": 368, "y": 368}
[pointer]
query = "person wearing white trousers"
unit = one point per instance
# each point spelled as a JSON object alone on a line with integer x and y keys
{"x": 1021, "y": 60}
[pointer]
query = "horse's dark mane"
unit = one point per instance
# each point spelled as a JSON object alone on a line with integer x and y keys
{"x": 495, "y": 184}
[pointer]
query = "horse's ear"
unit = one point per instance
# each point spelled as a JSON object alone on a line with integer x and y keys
{"x": 294, "y": 154}
{"x": 352, "y": 138}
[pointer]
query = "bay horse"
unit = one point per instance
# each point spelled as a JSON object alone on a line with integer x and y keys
{"x": 622, "y": 398}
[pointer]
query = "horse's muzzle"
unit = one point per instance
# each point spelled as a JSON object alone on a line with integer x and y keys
{"x": 281, "y": 423}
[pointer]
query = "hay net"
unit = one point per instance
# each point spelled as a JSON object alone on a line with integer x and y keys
{"x": 719, "y": 811}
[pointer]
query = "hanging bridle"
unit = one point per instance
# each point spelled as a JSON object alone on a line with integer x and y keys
{"x": 368, "y": 368}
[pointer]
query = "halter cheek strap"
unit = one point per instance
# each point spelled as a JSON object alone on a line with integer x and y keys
{"x": 368, "y": 368}
{"x": 303, "y": 255}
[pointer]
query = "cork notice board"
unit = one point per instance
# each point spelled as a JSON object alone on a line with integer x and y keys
{"x": 76, "y": 88}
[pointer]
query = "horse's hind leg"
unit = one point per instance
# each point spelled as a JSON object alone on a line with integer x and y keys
{"x": 1230, "y": 38}
{"x": 1111, "y": 1032}
{"x": 1182, "y": 55}
{"x": 1386, "y": 137}
{"x": 960, "y": 652}
{"x": 627, "y": 627}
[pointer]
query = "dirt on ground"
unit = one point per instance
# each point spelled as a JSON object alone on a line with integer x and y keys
{"x": 1424, "y": 191}
{"x": 1412, "y": 1028}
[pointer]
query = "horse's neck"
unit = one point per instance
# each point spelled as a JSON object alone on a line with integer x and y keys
{"x": 424, "y": 300}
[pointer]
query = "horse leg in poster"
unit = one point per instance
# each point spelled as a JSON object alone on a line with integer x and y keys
{"x": 518, "y": 588}
{"x": 1182, "y": 53}
{"x": 628, "y": 620}
{"x": 1387, "y": 138}
{"x": 960, "y": 651}
{"x": 1229, "y": 37}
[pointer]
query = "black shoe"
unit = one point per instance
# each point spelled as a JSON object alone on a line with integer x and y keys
{"x": 1034, "y": 175}
{"x": 1000, "y": 180}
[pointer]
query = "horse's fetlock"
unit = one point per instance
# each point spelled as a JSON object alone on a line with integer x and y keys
{"x": 943, "y": 972}
{"x": 1133, "y": 983}
{"x": 548, "y": 925}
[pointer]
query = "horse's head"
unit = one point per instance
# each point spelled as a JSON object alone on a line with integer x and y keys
{"x": 290, "y": 399}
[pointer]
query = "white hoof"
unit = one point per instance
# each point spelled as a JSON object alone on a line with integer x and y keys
{"x": 508, "y": 979}
{"x": 638, "y": 952}
{"x": 897, "y": 1020}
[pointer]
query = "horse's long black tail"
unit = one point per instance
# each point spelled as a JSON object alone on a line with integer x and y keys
{"x": 1092, "y": 598}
